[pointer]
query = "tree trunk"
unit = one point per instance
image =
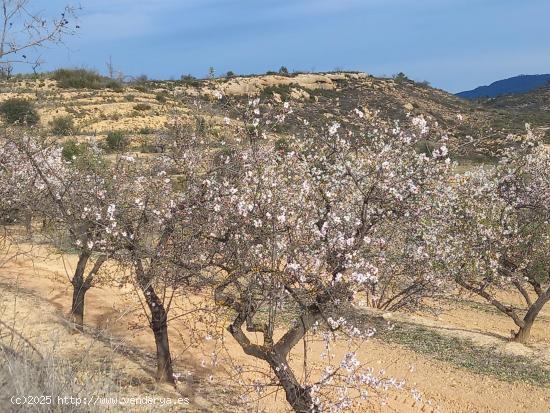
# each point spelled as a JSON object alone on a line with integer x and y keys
{"x": 165, "y": 372}
{"x": 79, "y": 291}
{"x": 297, "y": 396}
{"x": 523, "y": 334}
{"x": 28, "y": 224}
{"x": 158, "y": 323}
{"x": 77, "y": 307}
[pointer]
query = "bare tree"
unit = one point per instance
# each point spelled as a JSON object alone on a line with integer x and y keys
{"x": 24, "y": 30}
{"x": 110, "y": 68}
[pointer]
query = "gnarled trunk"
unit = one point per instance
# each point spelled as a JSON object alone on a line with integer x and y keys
{"x": 525, "y": 323}
{"x": 524, "y": 332}
{"x": 297, "y": 396}
{"x": 81, "y": 285}
{"x": 165, "y": 372}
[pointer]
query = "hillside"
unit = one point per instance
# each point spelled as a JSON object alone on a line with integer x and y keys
{"x": 513, "y": 85}
{"x": 143, "y": 108}
{"x": 532, "y": 107}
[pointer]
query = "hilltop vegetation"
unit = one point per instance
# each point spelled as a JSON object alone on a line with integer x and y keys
{"x": 97, "y": 105}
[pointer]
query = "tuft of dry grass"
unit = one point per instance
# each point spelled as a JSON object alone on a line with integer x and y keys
{"x": 48, "y": 382}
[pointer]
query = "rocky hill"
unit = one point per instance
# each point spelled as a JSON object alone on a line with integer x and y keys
{"x": 142, "y": 108}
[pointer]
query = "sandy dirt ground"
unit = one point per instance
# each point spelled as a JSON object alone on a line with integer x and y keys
{"x": 35, "y": 296}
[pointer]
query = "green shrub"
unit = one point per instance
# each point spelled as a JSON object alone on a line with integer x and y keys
{"x": 114, "y": 85}
{"x": 116, "y": 140}
{"x": 400, "y": 77}
{"x": 79, "y": 79}
{"x": 85, "y": 79}
{"x": 129, "y": 98}
{"x": 63, "y": 125}
{"x": 161, "y": 97}
{"x": 283, "y": 71}
{"x": 190, "y": 80}
{"x": 72, "y": 150}
{"x": 285, "y": 91}
{"x": 142, "y": 106}
{"x": 150, "y": 148}
{"x": 146, "y": 131}
{"x": 19, "y": 111}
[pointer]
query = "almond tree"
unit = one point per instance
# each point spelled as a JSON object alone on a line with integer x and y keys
{"x": 301, "y": 229}
{"x": 144, "y": 213}
{"x": 13, "y": 182}
{"x": 75, "y": 198}
{"x": 494, "y": 233}
{"x": 404, "y": 279}
{"x": 159, "y": 210}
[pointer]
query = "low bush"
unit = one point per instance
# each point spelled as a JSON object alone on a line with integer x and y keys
{"x": 72, "y": 150}
{"x": 114, "y": 85}
{"x": 63, "y": 126}
{"x": 190, "y": 80}
{"x": 161, "y": 97}
{"x": 116, "y": 140}
{"x": 146, "y": 131}
{"x": 20, "y": 111}
{"x": 84, "y": 79}
{"x": 142, "y": 106}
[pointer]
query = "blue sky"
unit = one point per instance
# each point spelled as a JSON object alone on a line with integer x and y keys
{"x": 454, "y": 44}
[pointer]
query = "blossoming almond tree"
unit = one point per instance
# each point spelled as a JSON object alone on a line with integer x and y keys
{"x": 494, "y": 233}
{"x": 162, "y": 218}
{"x": 300, "y": 230}
{"x": 13, "y": 183}
{"x": 75, "y": 198}
{"x": 404, "y": 277}
{"x": 145, "y": 213}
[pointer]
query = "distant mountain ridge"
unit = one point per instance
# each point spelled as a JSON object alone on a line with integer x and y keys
{"x": 517, "y": 84}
